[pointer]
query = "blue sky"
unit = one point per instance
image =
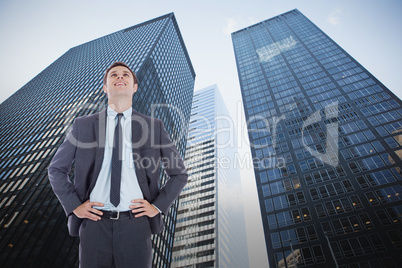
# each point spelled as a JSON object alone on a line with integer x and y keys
{"x": 36, "y": 33}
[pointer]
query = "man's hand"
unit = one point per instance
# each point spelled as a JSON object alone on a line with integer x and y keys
{"x": 85, "y": 211}
{"x": 145, "y": 207}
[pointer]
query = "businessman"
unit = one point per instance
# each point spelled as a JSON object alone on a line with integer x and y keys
{"x": 115, "y": 203}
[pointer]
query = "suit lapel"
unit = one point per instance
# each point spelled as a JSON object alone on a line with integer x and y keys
{"x": 99, "y": 127}
{"x": 137, "y": 132}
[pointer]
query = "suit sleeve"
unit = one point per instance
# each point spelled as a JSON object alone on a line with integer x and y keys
{"x": 174, "y": 168}
{"x": 59, "y": 170}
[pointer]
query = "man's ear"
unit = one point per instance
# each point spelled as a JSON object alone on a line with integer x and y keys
{"x": 135, "y": 87}
{"x": 104, "y": 89}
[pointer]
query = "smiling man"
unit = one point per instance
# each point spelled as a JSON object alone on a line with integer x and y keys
{"x": 115, "y": 203}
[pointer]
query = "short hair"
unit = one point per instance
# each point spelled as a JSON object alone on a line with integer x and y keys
{"x": 115, "y": 64}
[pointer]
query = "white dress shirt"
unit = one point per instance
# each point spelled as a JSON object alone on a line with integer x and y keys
{"x": 129, "y": 188}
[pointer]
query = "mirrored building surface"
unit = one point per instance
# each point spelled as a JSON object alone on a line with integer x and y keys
{"x": 210, "y": 229}
{"x": 35, "y": 119}
{"x": 325, "y": 135}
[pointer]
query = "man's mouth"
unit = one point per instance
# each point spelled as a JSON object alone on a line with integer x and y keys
{"x": 119, "y": 84}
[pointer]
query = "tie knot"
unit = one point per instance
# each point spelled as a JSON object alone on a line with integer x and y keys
{"x": 119, "y": 115}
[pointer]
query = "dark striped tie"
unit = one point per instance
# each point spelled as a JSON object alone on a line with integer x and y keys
{"x": 115, "y": 179}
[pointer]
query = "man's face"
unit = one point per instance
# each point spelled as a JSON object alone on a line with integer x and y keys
{"x": 120, "y": 81}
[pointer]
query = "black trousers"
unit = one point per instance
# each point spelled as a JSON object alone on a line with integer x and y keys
{"x": 115, "y": 243}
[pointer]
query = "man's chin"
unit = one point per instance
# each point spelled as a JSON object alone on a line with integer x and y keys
{"x": 122, "y": 95}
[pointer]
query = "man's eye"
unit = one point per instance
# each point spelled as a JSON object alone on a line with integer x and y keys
{"x": 125, "y": 74}
{"x": 113, "y": 75}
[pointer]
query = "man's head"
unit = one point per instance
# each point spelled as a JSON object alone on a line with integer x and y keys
{"x": 115, "y": 64}
{"x": 119, "y": 80}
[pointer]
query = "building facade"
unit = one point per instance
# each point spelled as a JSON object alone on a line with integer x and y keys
{"x": 210, "y": 228}
{"x": 325, "y": 135}
{"x": 35, "y": 119}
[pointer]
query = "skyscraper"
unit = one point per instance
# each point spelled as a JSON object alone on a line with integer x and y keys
{"x": 210, "y": 229}
{"x": 35, "y": 120}
{"x": 325, "y": 136}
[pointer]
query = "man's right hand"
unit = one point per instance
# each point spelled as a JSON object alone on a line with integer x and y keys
{"x": 86, "y": 211}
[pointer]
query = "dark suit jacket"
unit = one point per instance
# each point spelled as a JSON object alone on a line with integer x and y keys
{"x": 85, "y": 143}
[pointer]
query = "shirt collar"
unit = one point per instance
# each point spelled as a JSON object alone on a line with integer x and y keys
{"x": 127, "y": 113}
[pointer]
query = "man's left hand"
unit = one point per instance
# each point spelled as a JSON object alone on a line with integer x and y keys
{"x": 143, "y": 206}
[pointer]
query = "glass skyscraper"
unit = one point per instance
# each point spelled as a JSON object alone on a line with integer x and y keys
{"x": 325, "y": 135}
{"x": 210, "y": 229}
{"x": 35, "y": 119}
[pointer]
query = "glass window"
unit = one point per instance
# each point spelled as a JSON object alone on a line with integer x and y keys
{"x": 346, "y": 205}
{"x": 307, "y": 257}
{"x": 263, "y": 177}
{"x": 287, "y": 185}
{"x": 296, "y": 216}
{"x": 391, "y": 142}
{"x": 353, "y": 167}
{"x": 296, "y": 183}
{"x": 301, "y": 235}
{"x": 265, "y": 190}
{"x": 320, "y": 210}
{"x": 303, "y": 166}
{"x": 269, "y": 206}
{"x": 312, "y": 234}
{"x": 377, "y": 242}
{"x": 318, "y": 254}
{"x": 395, "y": 213}
{"x": 314, "y": 194}
{"x": 377, "y": 146}
{"x": 332, "y": 174}
{"x": 299, "y": 154}
{"x": 276, "y": 242}
{"x": 372, "y": 199}
{"x": 346, "y": 248}
{"x": 383, "y": 217}
{"x": 337, "y": 250}
{"x": 365, "y": 219}
{"x": 357, "y": 249}
{"x": 308, "y": 179}
{"x": 338, "y": 227}
{"x": 335, "y": 188}
{"x": 317, "y": 177}
{"x": 306, "y": 214}
{"x": 323, "y": 191}
{"x": 279, "y": 259}
{"x": 355, "y": 223}
{"x": 283, "y": 218}
{"x": 326, "y": 226}
{"x": 272, "y": 222}
{"x": 361, "y": 124}
{"x": 280, "y": 202}
{"x": 300, "y": 197}
{"x": 346, "y": 155}
{"x": 291, "y": 200}
{"x": 289, "y": 236}
{"x": 362, "y": 181}
{"x": 395, "y": 238}
{"x": 382, "y": 131}
{"x": 373, "y": 121}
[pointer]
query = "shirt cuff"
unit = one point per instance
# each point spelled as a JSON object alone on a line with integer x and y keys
{"x": 157, "y": 208}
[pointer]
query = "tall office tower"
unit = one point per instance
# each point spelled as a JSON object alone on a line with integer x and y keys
{"x": 35, "y": 119}
{"x": 210, "y": 229}
{"x": 325, "y": 135}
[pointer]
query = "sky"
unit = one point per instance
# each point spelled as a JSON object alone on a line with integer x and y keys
{"x": 36, "y": 33}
